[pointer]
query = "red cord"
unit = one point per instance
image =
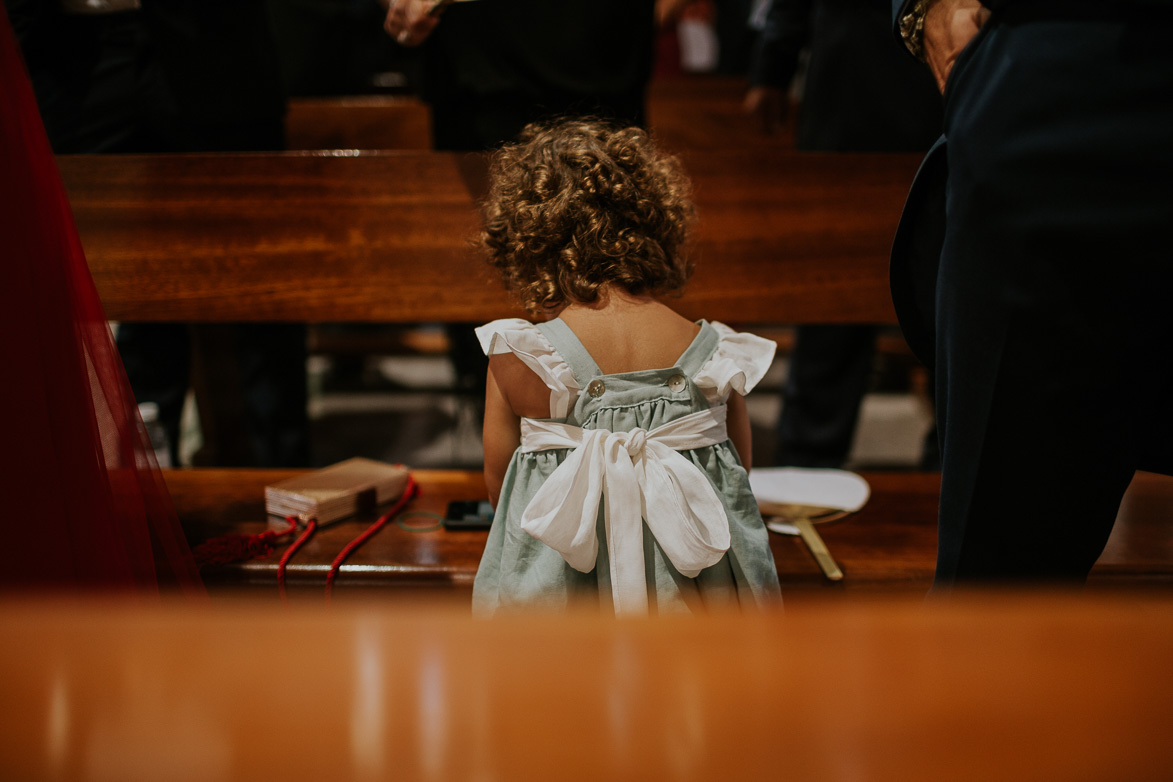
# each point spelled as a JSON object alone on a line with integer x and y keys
{"x": 410, "y": 492}
{"x": 310, "y": 526}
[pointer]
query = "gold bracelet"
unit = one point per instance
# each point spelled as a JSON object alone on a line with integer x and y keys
{"x": 912, "y": 28}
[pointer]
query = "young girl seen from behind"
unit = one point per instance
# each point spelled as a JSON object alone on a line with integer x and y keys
{"x": 616, "y": 436}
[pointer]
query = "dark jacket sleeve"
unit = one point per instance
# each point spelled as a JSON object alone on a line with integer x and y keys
{"x": 32, "y": 21}
{"x": 786, "y": 33}
{"x": 898, "y": 10}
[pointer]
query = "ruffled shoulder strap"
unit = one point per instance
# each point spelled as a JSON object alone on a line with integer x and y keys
{"x": 738, "y": 363}
{"x": 524, "y": 340}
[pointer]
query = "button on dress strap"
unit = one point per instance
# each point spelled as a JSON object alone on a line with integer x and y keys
{"x": 567, "y": 344}
{"x": 700, "y": 350}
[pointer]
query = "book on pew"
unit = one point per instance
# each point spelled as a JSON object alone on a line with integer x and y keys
{"x": 338, "y": 491}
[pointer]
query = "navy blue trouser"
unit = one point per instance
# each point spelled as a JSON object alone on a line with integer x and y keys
{"x": 1054, "y": 333}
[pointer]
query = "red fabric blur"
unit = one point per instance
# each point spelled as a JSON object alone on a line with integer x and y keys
{"x": 83, "y": 504}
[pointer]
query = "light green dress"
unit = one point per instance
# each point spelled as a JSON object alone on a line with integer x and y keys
{"x": 519, "y": 571}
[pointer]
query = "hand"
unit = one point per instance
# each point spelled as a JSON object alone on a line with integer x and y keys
{"x": 410, "y": 22}
{"x": 769, "y": 104}
{"x": 669, "y": 11}
{"x": 949, "y": 26}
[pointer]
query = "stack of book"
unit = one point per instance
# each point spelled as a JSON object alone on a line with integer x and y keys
{"x": 337, "y": 491}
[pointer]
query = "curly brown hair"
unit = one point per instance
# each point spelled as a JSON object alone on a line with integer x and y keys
{"x": 578, "y": 204}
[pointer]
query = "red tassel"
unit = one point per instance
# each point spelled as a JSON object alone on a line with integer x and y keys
{"x": 238, "y": 548}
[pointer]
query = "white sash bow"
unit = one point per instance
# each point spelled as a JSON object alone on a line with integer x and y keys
{"x": 640, "y": 476}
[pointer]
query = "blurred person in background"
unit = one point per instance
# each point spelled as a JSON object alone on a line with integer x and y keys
{"x": 857, "y": 95}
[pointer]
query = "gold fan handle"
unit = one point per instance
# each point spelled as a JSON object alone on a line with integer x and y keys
{"x": 818, "y": 550}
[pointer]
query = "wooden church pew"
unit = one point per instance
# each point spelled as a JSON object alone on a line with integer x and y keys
{"x": 889, "y": 547}
{"x": 1038, "y": 688}
{"x": 358, "y": 122}
{"x": 386, "y": 237}
{"x": 693, "y": 113}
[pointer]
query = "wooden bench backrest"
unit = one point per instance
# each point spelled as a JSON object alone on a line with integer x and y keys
{"x": 707, "y": 113}
{"x": 689, "y": 113}
{"x": 386, "y": 237}
{"x": 359, "y": 122}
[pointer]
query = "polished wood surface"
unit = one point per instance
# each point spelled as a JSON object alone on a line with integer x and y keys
{"x": 889, "y": 546}
{"x": 213, "y": 502}
{"x": 1013, "y": 688}
{"x": 708, "y": 112}
{"x": 701, "y": 112}
{"x": 783, "y": 237}
{"x": 1141, "y": 545}
{"x": 358, "y": 122}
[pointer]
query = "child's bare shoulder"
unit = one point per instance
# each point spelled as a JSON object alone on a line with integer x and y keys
{"x": 525, "y": 392}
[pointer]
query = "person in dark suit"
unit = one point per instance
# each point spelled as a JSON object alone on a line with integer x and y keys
{"x": 1032, "y": 269}
{"x": 489, "y": 68}
{"x": 147, "y": 76}
{"x": 860, "y": 94}
{"x": 98, "y": 83}
{"x": 221, "y": 67}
